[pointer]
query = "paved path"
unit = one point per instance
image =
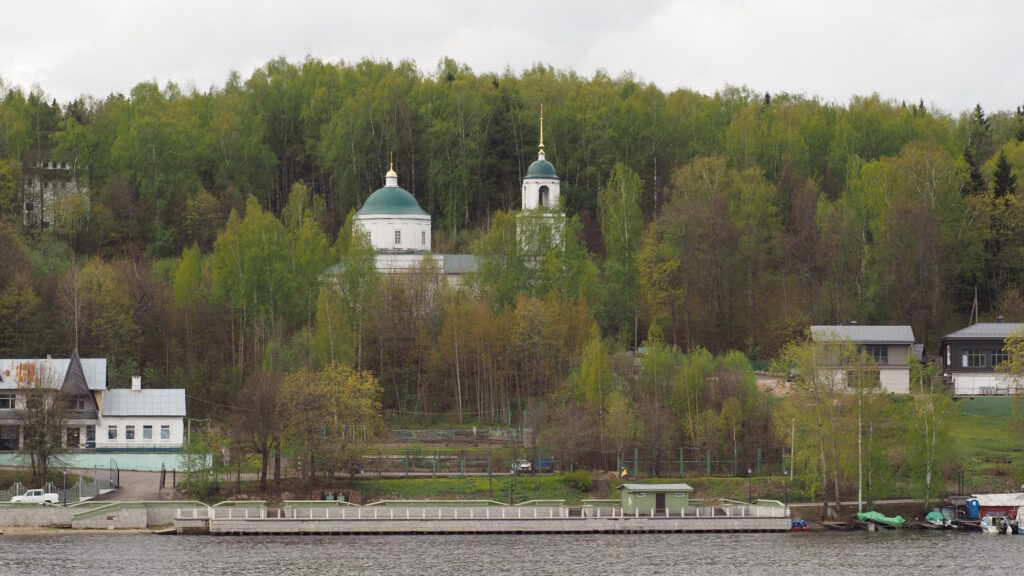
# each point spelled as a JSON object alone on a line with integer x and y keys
{"x": 139, "y": 486}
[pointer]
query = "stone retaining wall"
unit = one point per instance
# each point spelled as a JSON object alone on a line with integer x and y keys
{"x": 36, "y": 515}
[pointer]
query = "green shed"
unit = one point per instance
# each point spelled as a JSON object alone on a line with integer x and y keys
{"x": 657, "y": 499}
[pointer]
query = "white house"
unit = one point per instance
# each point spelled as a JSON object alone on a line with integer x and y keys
{"x": 888, "y": 346}
{"x": 97, "y": 418}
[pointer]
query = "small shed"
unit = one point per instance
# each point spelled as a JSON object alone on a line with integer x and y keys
{"x": 645, "y": 498}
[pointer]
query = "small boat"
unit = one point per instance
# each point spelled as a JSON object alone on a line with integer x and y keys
{"x": 799, "y": 525}
{"x": 996, "y": 523}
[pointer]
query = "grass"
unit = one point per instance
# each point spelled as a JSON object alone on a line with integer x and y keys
{"x": 9, "y": 476}
{"x": 985, "y": 442}
{"x": 475, "y": 488}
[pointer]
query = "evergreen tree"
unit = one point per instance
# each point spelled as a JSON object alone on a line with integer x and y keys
{"x": 1003, "y": 180}
{"x": 1020, "y": 124}
{"x": 976, "y": 182}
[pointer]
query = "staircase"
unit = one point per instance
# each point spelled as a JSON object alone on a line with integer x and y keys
{"x": 599, "y": 489}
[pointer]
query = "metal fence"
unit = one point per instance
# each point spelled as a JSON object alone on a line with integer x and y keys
{"x": 725, "y": 509}
{"x": 86, "y": 487}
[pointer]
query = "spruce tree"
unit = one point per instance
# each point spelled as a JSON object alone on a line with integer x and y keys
{"x": 1003, "y": 180}
{"x": 976, "y": 182}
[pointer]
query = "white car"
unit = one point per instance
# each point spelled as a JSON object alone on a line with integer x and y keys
{"x": 38, "y": 496}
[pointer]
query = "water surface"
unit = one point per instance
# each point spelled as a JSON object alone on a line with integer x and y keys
{"x": 856, "y": 553}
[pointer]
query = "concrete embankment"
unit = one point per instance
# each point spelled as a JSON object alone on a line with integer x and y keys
{"x": 98, "y": 515}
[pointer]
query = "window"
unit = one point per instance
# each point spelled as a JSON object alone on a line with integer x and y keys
{"x": 542, "y": 199}
{"x": 129, "y": 432}
{"x": 6, "y": 401}
{"x": 73, "y": 435}
{"x": 974, "y": 358}
{"x": 76, "y": 403}
{"x": 111, "y": 432}
{"x": 423, "y": 238}
{"x": 165, "y": 432}
{"x": 398, "y": 237}
{"x": 878, "y": 352}
{"x": 147, "y": 432}
{"x": 999, "y": 357}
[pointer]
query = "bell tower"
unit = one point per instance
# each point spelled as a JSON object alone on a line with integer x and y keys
{"x": 541, "y": 184}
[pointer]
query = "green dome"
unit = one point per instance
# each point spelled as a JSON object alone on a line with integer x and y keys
{"x": 391, "y": 200}
{"x": 541, "y": 169}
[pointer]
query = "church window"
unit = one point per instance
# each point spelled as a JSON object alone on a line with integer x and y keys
{"x": 543, "y": 199}
{"x": 423, "y": 238}
{"x": 398, "y": 236}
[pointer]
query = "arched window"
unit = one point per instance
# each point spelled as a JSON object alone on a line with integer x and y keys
{"x": 543, "y": 196}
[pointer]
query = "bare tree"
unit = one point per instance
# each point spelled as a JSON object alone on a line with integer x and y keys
{"x": 70, "y": 292}
{"x": 43, "y": 421}
{"x": 258, "y": 425}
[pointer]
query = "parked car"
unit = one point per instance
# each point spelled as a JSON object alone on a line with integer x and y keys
{"x": 522, "y": 467}
{"x": 37, "y": 496}
{"x": 545, "y": 464}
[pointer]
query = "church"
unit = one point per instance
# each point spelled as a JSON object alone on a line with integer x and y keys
{"x": 399, "y": 228}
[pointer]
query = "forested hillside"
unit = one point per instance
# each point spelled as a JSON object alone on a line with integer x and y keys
{"x": 721, "y": 222}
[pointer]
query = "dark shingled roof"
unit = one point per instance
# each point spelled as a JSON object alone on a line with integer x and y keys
{"x": 74, "y": 381}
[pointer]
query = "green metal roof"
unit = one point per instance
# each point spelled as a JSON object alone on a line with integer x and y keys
{"x": 541, "y": 169}
{"x": 391, "y": 200}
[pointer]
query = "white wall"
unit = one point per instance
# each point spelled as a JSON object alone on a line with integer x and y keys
{"x": 531, "y": 192}
{"x": 983, "y": 384}
{"x": 177, "y": 425}
{"x": 895, "y": 380}
{"x": 382, "y": 231}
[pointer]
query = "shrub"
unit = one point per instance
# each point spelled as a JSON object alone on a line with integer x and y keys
{"x": 578, "y": 480}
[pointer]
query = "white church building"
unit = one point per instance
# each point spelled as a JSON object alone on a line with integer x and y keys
{"x": 399, "y": 228}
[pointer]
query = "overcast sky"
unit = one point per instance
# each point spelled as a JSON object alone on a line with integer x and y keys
{"x": 951, "y": 54}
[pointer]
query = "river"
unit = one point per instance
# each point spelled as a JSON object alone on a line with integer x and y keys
{"x": 895, "y": 552}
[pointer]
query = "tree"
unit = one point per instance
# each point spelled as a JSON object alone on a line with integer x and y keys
{"x": 819, "y": 370}
{"x": 43, "y": 421}
{"x": 932, "y": 416}
{"x": 258, "y": 421}
{"x": 324, "y": 412}
{"x": 622, "y": 229}
{"x": 1004, "y": 182}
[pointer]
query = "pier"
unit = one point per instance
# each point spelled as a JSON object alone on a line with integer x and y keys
{"x": 476, "y": 520}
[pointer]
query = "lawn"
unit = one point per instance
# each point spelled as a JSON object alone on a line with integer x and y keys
{"x": 992, "y": 453}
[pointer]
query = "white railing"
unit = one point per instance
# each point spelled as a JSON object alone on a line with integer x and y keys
{"x": 358, "y": 513}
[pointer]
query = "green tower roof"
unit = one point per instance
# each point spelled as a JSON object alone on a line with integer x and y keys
{"x": 541, "y": 169}
{"x": 391, "y": 200}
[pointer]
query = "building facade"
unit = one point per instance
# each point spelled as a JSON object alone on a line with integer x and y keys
{"x": 971, "y": 355}
{"x": 889, "y": 346}
{"x": 95, "y": 418}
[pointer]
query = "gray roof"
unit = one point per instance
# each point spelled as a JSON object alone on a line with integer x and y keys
{"x": 992, "y": 330}
{"x": 15, "y": 373}
{"x": 864, "y": 334}
{"x": 657, "y": 487}
{"x": 459, "y": 263}
{"x": 150, "y": 402}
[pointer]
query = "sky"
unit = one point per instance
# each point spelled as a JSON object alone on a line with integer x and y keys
{"x": 950, "y": 54}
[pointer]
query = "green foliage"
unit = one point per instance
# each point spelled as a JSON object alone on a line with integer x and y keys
{"x": 577, "y": 481}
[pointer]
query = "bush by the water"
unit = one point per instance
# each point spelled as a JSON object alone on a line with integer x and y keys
{"x": 578, "y": 480}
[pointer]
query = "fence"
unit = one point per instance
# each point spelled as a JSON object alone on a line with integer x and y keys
{"x": 725, "y": 509}
{"x": 84, "y": 488}
{"x": 460, "y": 435}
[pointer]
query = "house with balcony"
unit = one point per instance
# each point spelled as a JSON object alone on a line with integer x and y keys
{"x": 95, "y": 418}
{"x": 889, "y": 346}
{"x": 971, "y": 355}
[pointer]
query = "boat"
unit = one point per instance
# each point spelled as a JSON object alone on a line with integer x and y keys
{"x": 799, "y": 525}
{"x": 881, "y": 519}
{"x": 996, "y": 523}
